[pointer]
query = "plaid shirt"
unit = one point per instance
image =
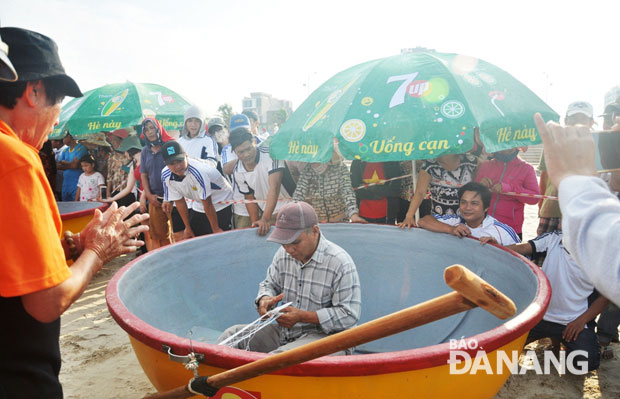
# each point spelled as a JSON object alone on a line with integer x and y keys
{"x": 327, "y": 284}
{"x": 330, "y": 193}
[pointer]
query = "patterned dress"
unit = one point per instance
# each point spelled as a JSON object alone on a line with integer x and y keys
{"x": 444, "y": 184}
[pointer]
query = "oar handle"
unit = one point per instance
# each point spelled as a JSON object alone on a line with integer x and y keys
{"x": 458, "y": 277}
{"x": 483, "y": 294}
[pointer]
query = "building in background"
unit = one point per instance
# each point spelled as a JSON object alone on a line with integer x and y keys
{"x": 271, "y": 111}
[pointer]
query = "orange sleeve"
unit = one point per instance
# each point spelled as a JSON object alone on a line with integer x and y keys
{"x": 32, "y": 257}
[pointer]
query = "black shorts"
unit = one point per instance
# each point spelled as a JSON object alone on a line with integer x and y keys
{"x": 177, "y": 221}
{"x": 126, "y": 200}
{"x": 200, "y": 223}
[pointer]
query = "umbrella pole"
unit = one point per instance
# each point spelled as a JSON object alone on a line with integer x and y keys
{"x": 414, "y": 184}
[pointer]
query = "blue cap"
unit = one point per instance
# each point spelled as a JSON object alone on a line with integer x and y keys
{"x": 239, "y": 120}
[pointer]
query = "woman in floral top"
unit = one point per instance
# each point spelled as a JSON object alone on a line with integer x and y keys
{"x": 442, "y": 177}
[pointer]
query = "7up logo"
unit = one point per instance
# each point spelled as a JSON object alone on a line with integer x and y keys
{"x": 418, "y": 88}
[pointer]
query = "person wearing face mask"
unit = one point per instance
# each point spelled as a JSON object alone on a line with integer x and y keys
{"x": 506, "y": 172}
{"x": 217, "y": 130}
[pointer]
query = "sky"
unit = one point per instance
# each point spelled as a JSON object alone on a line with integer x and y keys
{"x": 216, "y": 52}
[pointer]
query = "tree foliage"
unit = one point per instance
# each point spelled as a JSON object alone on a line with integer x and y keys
{"x": 281, "y": 116}
{"x": 225, "y": 112}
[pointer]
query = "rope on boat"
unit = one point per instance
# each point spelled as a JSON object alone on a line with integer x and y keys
{"x": 249, "y": 330}
{"x": 383, "y": 181}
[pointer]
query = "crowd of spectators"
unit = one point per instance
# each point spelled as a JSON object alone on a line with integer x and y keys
{"x": 214, "y": 177}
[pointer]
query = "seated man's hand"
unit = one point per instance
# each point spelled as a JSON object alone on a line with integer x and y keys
{"x": 266, "y": 303}
{"x": 460, "y": 230}
{"x": 290, "y": 317}
{"x": 572, "y": 330}
{"x": 484, "y": 240}
{"x": 263, "y": 226}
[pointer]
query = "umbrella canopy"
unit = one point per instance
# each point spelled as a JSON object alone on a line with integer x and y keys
{"x": 416, "y": 105}
{"x": 121, "y": 105}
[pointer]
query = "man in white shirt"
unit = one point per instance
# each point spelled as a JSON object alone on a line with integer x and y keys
{"x": 241, "y": 217}
{"x": 258, "y": 177}
{"x": 568, "y": 314}
{"x": 201, "y": 182}
{"x": 472, "y": 219}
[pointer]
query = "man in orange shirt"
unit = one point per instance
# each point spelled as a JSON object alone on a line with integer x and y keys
{"x": 36, "y": 285}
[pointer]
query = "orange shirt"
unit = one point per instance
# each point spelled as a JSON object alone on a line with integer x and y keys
{"x": 31, "y": 256}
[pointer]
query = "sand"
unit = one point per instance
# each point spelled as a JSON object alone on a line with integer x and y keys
{"x": 98, "y": 361}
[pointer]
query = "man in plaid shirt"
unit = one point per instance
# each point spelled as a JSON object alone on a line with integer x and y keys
{"x": 316, "y": 275}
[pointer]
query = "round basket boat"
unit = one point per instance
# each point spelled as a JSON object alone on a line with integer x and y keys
{"x": 198, "y": 288}
{"x": 75, "y": 215}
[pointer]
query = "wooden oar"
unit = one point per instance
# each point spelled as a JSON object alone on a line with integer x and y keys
{"x": 470, "y": 291}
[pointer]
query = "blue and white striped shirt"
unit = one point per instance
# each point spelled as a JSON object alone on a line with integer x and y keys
{"x": 200, "y": 182}
{"x": 490, "y": 227}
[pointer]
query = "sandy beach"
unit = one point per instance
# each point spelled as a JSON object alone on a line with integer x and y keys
{"x": 99, "y": 363}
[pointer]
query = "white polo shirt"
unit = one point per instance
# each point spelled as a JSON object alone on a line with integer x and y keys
{"x": 490, "y": 227}
{"x": 570, "y": 286}
{"x": 229, "y": 155}
{"x": 200, "y": 182}
{"x": 256, "y": 182}
{"x": 202, "y": 147}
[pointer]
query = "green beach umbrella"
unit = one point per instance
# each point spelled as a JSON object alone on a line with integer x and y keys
{"x": 118, "y": 106}
{"x": 416, "y": 105}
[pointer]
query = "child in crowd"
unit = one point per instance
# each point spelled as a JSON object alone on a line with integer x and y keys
{"x": 89, "y": 182}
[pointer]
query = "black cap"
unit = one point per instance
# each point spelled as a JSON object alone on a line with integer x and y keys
{"x": 7, "y": 72}
{"x": 35, "y": 57}
{"x": 172, "y": 151}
